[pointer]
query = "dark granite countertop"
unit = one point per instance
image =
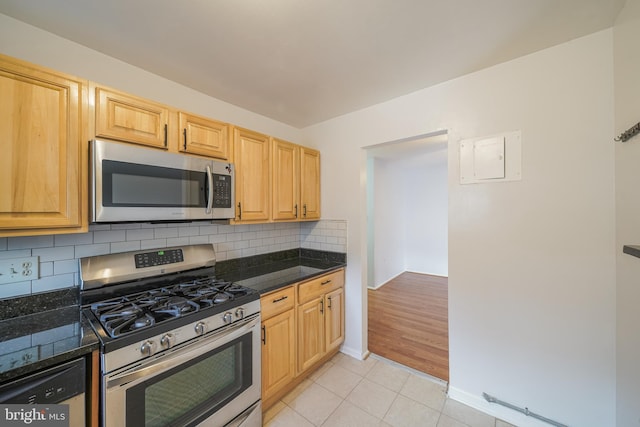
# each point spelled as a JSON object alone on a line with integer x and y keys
{"x": 266, "y": 273}
{"x": 31, "y": 340}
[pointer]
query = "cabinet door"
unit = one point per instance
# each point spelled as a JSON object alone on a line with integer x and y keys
{"x": 310, "y": 333}
{"x": 204, "y": 136}
{"x": 278, "y": 352}
{"x": 334, "y": 319}
{"x": 310, "y": 183}
{"x": 253, "y": 184}
{"x": 128, "y": 118}
{"x": 42, "y": 138}
{"x": 285, "y": 156}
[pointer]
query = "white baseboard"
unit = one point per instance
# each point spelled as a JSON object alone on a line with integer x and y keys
{"x": 400, "y": 274}
{"x": 495, "y": 410}
{"x": 354, "y": 353}
{"x": 386, "y": 281}
{"x": 429, "y": 274}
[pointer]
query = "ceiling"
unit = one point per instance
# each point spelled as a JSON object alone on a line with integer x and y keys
{"x": 302, "y": 62}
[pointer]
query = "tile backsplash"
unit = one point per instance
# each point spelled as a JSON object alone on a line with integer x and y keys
{"x": 59, "y": 254}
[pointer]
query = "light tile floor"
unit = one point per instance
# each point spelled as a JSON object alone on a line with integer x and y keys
{"x": 346, "y": 392}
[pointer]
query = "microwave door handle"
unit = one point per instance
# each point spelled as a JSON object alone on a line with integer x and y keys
{"x": 210, "y": 183}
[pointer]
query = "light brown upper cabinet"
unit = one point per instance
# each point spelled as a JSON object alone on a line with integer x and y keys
{"x": 203, "y": 136}
{"x": 253, "y": 175}
{"x": 128, "y": 118}
{"x": 132, "y": 119}
{"x": 310, "y": 183}
{"x": 43, "y": 178}
{"x": 296, "y": 182}
{"x": 286, "y": 180}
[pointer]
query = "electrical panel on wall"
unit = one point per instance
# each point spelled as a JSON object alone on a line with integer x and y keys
{"x": 493, "y": 158}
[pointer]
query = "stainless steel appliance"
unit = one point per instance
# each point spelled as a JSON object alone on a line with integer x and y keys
{"x": 130, "y": 183}
{"x": 62, "y": 384}
{"x": 179, "y": 347}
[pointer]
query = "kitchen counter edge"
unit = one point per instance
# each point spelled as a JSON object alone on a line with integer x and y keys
{"x": 88, "y": 342}
{"x": 275, "y": 272}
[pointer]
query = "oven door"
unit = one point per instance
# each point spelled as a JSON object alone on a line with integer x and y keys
{"x": 130, "y": 183}
{"x": 212, "y": 382}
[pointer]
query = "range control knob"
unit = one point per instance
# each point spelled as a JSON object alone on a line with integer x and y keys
{"x": 167, "y": 340}
{"x": 200, "y": 328}
{"x": 240, "y": 313}
{"x": 148, "y": 348}
{"x": 227, "y": 318}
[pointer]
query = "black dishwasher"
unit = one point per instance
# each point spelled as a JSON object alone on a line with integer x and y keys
{"x": 62, "y": 384}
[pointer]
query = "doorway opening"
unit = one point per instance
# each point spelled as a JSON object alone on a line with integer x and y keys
{"x": 407, "y": 252}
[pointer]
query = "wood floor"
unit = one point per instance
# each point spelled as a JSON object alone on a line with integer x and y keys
{"x": 408, "y": 322}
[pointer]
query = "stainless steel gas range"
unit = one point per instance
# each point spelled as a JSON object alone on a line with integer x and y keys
{"x": 178, "y": 346}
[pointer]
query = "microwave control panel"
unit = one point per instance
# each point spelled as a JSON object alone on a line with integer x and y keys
{"x": 221, "y": 191}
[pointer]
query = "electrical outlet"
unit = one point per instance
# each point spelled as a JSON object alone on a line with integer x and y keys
{"x": 19, "y": 269}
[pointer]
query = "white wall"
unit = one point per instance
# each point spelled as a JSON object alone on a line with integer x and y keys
{"x": 531, "y": 262}
{"x": 388, "y": 217}
{"x": 627, "y": 113}
{"x": 426, "y": 211}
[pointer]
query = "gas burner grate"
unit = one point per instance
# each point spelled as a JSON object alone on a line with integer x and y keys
{"x": 129, "y": 313}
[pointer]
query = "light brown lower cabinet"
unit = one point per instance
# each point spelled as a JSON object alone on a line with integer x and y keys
{"x": 320, "y": 318}
{"x": 302, "y": 327}
{"x": 310, "y": 333}
{"x": 278, "y": 352}
{"x": 334, "y": 320}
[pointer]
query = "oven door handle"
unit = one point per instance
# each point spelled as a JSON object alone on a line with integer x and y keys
{"x": 167, "y": 361}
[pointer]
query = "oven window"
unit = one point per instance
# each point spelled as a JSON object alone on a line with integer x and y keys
{"x": 194, "y": 390}
{"x": 133, "y": 185}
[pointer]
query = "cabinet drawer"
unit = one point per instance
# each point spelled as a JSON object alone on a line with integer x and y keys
{"x": 277, "y": 302}
{"x": 319, "y": 286}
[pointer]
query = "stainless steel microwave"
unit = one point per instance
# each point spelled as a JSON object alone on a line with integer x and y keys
{"x": 131, "y": 183}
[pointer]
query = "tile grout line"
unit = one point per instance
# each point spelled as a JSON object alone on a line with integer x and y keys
{"x": 421, "y": 374}
{"x": 390, "y": 406}
{"x": 352, "y": 369}
{"x": 343, "y": 399}
{"x": 418, "y": 374}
